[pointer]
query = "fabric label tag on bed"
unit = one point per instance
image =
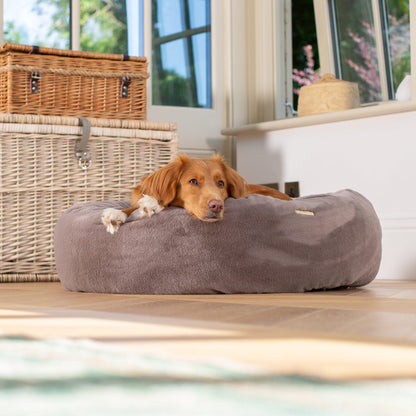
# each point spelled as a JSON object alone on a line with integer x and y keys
{"x": 303, "y": 212}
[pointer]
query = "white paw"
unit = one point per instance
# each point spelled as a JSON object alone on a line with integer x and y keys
{"x": 148, "y": 206}
{"x": 112, "y": 219}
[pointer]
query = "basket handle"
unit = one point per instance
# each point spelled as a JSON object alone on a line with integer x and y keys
{"x": 81, "y": 153}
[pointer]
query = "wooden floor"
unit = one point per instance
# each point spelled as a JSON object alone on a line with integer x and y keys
{"x": 359, "y": 333}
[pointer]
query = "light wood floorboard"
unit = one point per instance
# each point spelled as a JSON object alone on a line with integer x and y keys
{"x": 368, "y": 332}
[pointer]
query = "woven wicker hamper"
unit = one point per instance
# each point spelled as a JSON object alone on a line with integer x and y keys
{"x": 47, "y": 81}
{"x": 40, "y": 177}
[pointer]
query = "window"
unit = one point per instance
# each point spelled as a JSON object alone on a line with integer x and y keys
{"x": 371, "y": 45}
{"x": 363, "y": 41}
{"x": 110, "y": 26}
{"x": 181, "y": 38}
{"x": 397, "y": 30}
{"x": 181, "y": 53}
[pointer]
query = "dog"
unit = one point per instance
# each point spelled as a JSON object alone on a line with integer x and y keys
{"x": 201, "y": 186}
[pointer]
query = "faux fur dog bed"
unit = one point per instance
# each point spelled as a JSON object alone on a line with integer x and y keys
{"x": 263, "y": 245}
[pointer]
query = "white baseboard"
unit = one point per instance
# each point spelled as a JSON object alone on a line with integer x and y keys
{"x": 197, "y": 153}
{"x": 399, "y": 247}
{"x": 398, "y": 222}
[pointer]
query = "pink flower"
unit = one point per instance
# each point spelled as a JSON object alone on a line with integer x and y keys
{"x": 308, "y": 75}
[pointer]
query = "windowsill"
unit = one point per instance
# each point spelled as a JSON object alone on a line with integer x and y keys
{"x": 381, "y": 109}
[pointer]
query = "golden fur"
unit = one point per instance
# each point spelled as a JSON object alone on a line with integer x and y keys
{"x": 199, "y": 185}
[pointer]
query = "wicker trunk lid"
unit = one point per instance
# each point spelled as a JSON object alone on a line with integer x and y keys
{"x": 46, "y": 81}
{"x": 40, "y": 177}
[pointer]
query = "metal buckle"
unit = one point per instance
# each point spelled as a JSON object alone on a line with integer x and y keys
{"x": 81, "y": 153}
{"x": 34, "y": 81}
{"x": 84, "y": 160}
{"x": 125, "y": 82}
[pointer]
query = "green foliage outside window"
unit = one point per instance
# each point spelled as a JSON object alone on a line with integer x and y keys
{"x": 103, "y": 25}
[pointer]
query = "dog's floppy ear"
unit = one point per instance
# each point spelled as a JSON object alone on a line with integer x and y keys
{"x": 237, "y": 186}
{"x": 162, "y": 184}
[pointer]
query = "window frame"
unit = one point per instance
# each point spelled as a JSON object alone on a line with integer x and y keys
{"x": 187, "y": 35}
{"x": 327, "y": 43}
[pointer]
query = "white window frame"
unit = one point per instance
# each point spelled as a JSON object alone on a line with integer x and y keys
{"x": 75, "y": 35}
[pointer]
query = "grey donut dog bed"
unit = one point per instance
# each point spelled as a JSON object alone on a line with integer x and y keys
{"x": 263, "y": 245}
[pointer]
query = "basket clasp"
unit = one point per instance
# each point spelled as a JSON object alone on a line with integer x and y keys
{"x": 125, "y": 82}
{"x": 81, "y": 152}
{"x": 34, "y": 81}
{"x": 84, "y": 160}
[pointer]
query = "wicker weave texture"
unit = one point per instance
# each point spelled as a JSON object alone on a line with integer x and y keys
{"x": 72, "y": 84}
{"x": 40, "y": 178}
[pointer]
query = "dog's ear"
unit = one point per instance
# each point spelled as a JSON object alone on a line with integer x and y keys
{"x": 162, "y": 184}
{"x": 237, "y": 186}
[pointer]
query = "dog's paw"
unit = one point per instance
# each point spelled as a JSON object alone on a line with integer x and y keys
{"x": 148, "y": 206}
{"x": 112, "y": 219}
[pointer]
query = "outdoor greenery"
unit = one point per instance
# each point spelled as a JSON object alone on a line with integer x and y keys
{"x": 305, "y": 58}
{"x": 169, "y": 88}
{"x": 103, "y": 25}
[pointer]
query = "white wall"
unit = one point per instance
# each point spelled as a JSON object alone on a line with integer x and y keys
{"x": 374, "y": 156}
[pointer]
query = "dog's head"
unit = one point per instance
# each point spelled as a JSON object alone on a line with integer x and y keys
{"x": 199, "y": 185}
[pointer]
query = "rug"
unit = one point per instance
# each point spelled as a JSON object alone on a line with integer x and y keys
{"x": 81, "y": 377}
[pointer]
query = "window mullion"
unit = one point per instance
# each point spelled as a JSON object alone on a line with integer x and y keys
{"x": 75, "y": 16}
{"x": 184, "y": 34}
{"x": 412, "y": 20}
{"x": 378, "y": 31}
{"x": 283, "y": 57}
{"x": 1, "y": 23}
{"x": 324, "y": 35}
{"x": 386, "y": 48}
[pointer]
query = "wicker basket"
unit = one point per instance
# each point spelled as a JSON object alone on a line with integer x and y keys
{"x": 328, "y": 95}
{"x": 58, "y": 82}
{"x": 40, "y": 177}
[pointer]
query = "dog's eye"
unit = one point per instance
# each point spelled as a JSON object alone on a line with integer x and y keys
{"x": 194, "y": 182}
{"x": 221, "y": 184}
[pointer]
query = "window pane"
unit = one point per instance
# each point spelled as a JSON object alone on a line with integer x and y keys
{"x": 357, "y": 53}
{"x": 37, "y": 22}
{"x": 202, "y": 46}
{"x": 398, "y": 35}
{"x": 104, "y": 26}
{"x": 134, "y": 13}
{"x": 200, "y": 13}
{"x": 305, "y": 58}
{"x": 169, "y": 17}
{"x": 181, "y": 56}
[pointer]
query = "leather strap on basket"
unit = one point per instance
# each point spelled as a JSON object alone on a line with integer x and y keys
{"x": 35, "y": 49}
{"x": 81, "y": 152}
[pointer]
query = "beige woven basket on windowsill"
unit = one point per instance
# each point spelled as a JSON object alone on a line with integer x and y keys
{"x": 328, "y": 95}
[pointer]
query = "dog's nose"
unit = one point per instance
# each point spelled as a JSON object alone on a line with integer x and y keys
{"x": 215, "y": 205}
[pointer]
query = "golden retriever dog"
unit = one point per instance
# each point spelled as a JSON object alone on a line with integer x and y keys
{"x": 201, "y": 186}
